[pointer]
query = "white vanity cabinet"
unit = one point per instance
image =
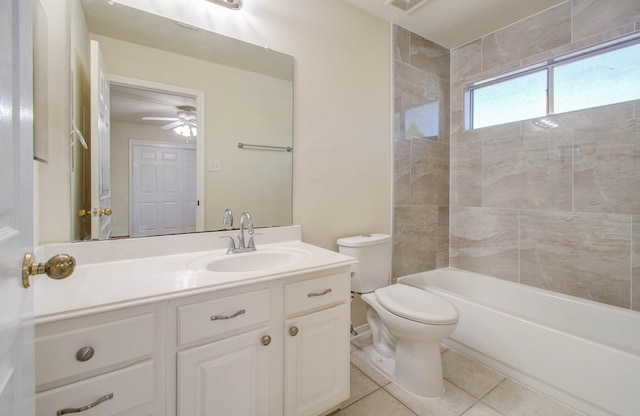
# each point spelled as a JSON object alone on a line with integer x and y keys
{"x": 228, "y": 374}
{"x": 217, "y": 348}
{"x": 316, "y": 348}
{"x": 101, "y": 364}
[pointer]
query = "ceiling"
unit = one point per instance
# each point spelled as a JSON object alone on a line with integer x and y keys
{"x": 452, "y": 23}
{"x": 129, "y": 104}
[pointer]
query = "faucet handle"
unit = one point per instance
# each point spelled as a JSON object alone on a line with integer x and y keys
{"x": 228, "y": 218}
{"x": 252, "y": 244}
{"x": 232, "y": 244}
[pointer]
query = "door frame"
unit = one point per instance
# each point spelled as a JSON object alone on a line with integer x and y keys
{"x": 155, "y": 144}
{"x": 199, "y": 96}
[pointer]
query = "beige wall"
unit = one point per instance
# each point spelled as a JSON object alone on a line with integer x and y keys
{"x": 558, "y": 208}
{"x": 342, "y": 112}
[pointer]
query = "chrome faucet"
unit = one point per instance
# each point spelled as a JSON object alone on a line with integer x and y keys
{"x": 251, "y": 246}
{"x": 228, "y": 221}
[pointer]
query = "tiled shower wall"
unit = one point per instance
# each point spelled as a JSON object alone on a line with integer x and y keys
{"x": 554, "y": 208}
{"x": 421, "y": 154}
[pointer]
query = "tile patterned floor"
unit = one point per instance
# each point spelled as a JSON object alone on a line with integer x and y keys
{"x": 471, "y": 390}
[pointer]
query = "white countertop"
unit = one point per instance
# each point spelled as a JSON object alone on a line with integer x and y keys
{"x": 100, "y": 286}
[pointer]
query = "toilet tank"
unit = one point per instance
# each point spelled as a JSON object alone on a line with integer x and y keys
{"x": 374, "y": 254}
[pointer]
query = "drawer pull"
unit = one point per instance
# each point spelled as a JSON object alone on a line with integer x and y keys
{"x": 217, "y": 317}
{"x": 266, "y": 340}
{"x": 310, "y": 295}
{"x": 85, "y": 354}
{"x": 87, "y": 407}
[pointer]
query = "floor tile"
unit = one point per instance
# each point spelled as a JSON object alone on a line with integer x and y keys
{"x": 361, "y": 340}
{"x": 360, "y": 386}
{"x": 481, "y": 409}
{"x": 454, "y": 402}
{"x": 469, "y": 375}
{"x": 360, "y": 358}
{"x": 378, "y": 403}
{"x": 513, "y": 399}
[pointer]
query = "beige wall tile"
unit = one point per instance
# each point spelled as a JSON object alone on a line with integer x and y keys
{"x": 585, "y": 255}
{"x": 401, "y": 44}
{"x": 485, "y": 240}
{"x": 466, "y": 60}
{"x": 430, "y": 57}
{"x": 402, "y": 171}
{"x": 494, "y": 132}
{"x": 429, "y": 173}
{"x": 415, "y": 242}
{"x": 420, "y": 100}
{"x": 541, "y": 32}
{"x": 607, "y": 168}
{"x": 591, "y": 17}
{"x": 635, "y": 264}
{"x": 442, "y": 255}
{"x": 532, "y": 171}
{"x": 466, "y": 174}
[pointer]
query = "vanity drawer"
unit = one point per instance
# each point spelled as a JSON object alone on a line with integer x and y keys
{"x": 131, "y": 387}
{"x": 121, "y": 341}
{"x": 215, "y": 317}
{"x": 316, "y": 293}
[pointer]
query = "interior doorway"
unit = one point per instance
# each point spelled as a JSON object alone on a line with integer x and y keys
{"x": 171, "y": 121}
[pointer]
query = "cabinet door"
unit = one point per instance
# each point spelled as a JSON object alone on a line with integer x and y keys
{"x": 227, "y": 377}
{"x": 317, "y": 361}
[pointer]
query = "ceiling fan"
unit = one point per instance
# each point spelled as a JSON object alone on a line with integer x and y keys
{"x": 184, "y": 123}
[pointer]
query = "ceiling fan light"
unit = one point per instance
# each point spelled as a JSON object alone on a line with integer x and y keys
{"x": 183, "y": 130}
{"x": 229, "y": 4}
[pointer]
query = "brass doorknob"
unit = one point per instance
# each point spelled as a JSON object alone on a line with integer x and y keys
{"x": 58, "y": 267}
{"x": 83, "y": 213}
{"x": 104, "y": 211}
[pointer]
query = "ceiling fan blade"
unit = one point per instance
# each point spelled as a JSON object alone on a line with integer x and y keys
{"x": 171, "y": 125}
{"x": 160, "y": 118}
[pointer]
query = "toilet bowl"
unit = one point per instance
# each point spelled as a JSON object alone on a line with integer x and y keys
{"x": 407, "y": 325}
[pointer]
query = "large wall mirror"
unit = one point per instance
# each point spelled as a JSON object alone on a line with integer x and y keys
{"x": 158, "y": 111}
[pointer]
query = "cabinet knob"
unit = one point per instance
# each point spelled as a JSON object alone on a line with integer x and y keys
{"x": 266, "y": 340}
{"x": 293, "y": 331}
{"x": 85, "y": 354}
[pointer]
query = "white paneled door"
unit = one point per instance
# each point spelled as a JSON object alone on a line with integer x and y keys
{"x": 100, "y": 148}
{"x": 163, "y": 189}
{"x": 16, "y": 207}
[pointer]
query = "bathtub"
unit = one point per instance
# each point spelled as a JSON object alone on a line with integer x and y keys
{"x": 582, "y": 353}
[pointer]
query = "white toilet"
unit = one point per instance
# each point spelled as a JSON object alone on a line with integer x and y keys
{"x": 407, "y": 323}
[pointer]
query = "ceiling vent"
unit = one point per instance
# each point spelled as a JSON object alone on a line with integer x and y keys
{"x": 406, "y": 6}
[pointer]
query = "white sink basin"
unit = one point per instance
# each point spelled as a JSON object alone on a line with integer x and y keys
{"x": 255, "y": 261}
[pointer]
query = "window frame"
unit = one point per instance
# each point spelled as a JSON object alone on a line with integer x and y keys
{"x": 548, "y": 66}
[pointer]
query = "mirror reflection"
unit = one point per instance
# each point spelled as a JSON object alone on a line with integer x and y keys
{"x": 162, "y": 113}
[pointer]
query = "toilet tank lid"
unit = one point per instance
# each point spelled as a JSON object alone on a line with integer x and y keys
{"x": 364, "y": 240}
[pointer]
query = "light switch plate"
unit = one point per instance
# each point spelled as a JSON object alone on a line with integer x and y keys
{"x": 214, "y": 165}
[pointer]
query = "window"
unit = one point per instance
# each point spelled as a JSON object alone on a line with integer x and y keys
{"x": 602, "y": 75}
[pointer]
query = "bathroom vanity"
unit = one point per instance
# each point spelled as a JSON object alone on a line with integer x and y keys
{"x": 146, "y": 332}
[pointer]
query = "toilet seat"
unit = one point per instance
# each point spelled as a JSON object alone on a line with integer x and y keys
{"x": 417, "y": 305}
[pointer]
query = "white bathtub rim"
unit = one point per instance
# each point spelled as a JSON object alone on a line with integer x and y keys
{"x": 560, "y": 296}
